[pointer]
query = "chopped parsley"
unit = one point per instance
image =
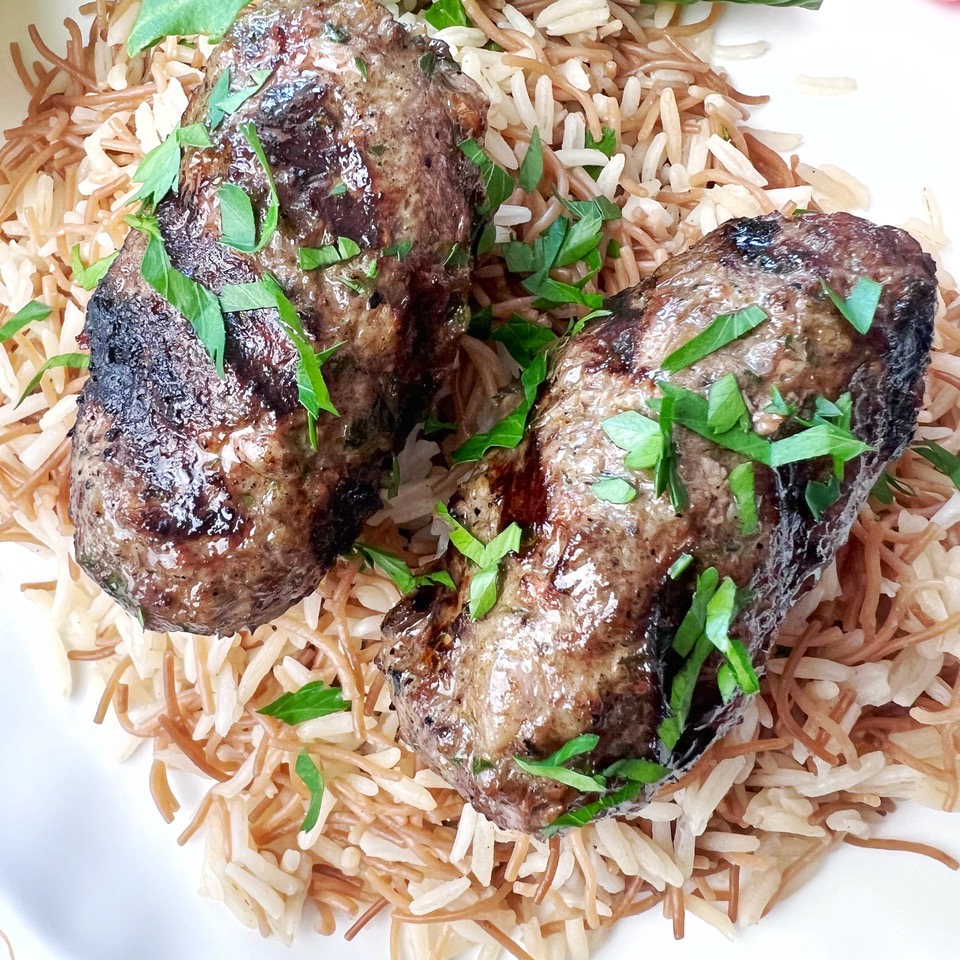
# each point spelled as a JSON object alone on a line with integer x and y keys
{"x": 446, "y": 13}
{"x": 947, "y": 463}
{"x": 392, "y": 566}
{"x": 860, "y": 307}
{"x": 679, "y": 565}
{"x": 614, "y": 490}
{"x": 742, "y": 481}
{"x": 89, "y": 277}
{"x": 266, "y": 294}
{"x": 523, "y": 339}
{"x": 159, "y": 171}
{"x": 723, "y": 330}
{"x": 398, "y": 250}
{"x": 509, "y": 431}
{"x": 497, "y": 183}
{"x": 312, "y": 258}
{"x": 552, "y": 767}
{"x": 272, "y": 217}
{"x": 310, "y": 774}
{"x": 312, "y": 700}
{"x": 484, "y": 585}
{"x": 821, "y": 496}
{"x": 74, "y": 361}
{"x": 198, "y": 305}
{"x": 725, "y": 405}
{"x": 33, "y": 311}
{"x": 223, "y": 103}
{"x": 531, "y": 170}
{"x": 361, "y": 66}
{"x": 182, "y": 18}
{"x": 887, "y": 484}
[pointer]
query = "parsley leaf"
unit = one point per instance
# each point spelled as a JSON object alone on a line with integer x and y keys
{"x": 509, "y": 431}
{"x": 89, "y": 277}
{"x": 723, "y": 330}
{"x": 223, "y": 102}
{"x": 197, "y": 304}
{"x": 392, "y": 566}
{"x": 266, "y": 294}
{"x": 484, "y": 584}
{"x": 638, "y": 435}
{"x": 446, "y": 13}
{"x": 75, "y": 361}
{"x": 238, "y": 226}
{"x": 523, "y": 339}
{"x": 695, "y": 619}
{"x": 398, "y": 250}
{"x": 312, "y": 700}
{"x": 821, "y": 496}
{"x": 343, "y": 250}
{"x": 272, "y": 217}
{"x": 720, "y": 612}
{"x": 725, "y": 405}
{"x": 679, "y": 565}
{"x": 681, "y": 693}
{"x": 614, "y": 490}
{"x": 497, "y": 183}
{"x": 182, "y": 18}
{"x": 361, "y": 66}
{"x": 585, "y": 814}
{"x": 310, "y": 774}
{"x": 742, "y": 482}
{"x": 531, "y": 170}
{"x": 637, "y": 771}
{"x": 34, "y": 310}
{"x": 860, "y": 307}
{"x": 947, "y": 463}
{"x": 886, "y": 485}
{"x": 778, "y": 405}
{"x": 666, "y": 473}
{"x": 821, "y": 440}
{"x": 552, "y": 767}
{"x": 159, "y": 171}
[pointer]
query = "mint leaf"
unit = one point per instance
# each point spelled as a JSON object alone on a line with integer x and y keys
{"x": 312, "y": 700}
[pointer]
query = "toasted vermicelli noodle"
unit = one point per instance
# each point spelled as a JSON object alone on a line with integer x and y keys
{"x": 860, "y": 707}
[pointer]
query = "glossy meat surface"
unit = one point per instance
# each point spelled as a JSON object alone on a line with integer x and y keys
{"x": 580, "y": 639}
{"x": 199, "y": 502}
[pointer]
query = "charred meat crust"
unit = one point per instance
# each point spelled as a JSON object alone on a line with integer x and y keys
{"x": 580, "y": 639}
{"x": 197, "y": 501}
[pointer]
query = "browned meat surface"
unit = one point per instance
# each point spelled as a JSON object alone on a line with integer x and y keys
{"x": 198, "y": 501}
{"x": 580, "y": 639}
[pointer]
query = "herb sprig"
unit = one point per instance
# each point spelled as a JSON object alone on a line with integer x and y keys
{"x": 312, "y": 700}
{"x": 484, "y": 584}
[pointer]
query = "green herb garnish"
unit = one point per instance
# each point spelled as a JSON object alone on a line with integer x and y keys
{"x": 497, "y": 183}
{"x": 398, "y": 250}
{"x": 723, "y": 330}
{"x": 182, "y": 18}
{"x": 89, "y": 277}
{"x": 638, "y": 435}
{"x": 552, "y": 767}
{"x": 509, "y": 431}
{"x": 223, "y": 102}
{"x": 531, "y": 170}
{"x": 310, "y": 774}
{"x": 614, "y": 490}
{"x": 197, "y": 304}
{"x": 887, "y": 484}
{"x": 313, "y": 258}
{"x": 361, "y": 66}
{"x": 392, "y": 566}
{"x": 272, "y": 217}
{"x": 679, "y": 565}
{"x": 725, "y": 405}
{"x": 312, "y": 700}
{"x": 523, "y": 339}
{"x": 947, "y": 463}
{"x": 484, "y": 585}
{"x": 446, "y": 13}
{"x": 821, "y": 496}
{"x": 74, "y": 361}
{"x": 266, "y": 294}
{"x": 34, "y": 310}
{"x": 159, "y": 170}
{"x": 742, "y": 482}
{"x": 860, "y": 307}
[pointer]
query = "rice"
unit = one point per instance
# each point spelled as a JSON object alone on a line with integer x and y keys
{"x": 860, "y": 707}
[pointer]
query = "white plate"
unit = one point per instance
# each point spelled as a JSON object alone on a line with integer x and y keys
{"x": 88, "y": 871}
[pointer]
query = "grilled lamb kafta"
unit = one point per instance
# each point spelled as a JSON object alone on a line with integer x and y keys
{"x": 581, "y": 647}
{"x": 198, "y": 501}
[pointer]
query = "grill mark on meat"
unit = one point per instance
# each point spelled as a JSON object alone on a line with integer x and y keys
{"x": 198, "y": 501}
{"x": 580, "y": 639}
